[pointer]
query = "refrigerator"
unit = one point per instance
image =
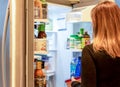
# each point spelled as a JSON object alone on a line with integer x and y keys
{"x": 16, "y": 43}
{"x": 16, "y": 38}
{"x": 17, "y": 54}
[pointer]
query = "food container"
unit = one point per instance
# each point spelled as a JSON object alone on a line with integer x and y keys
{"x": 68, "y": 82}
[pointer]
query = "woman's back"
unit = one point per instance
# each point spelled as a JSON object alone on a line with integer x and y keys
{"x": 105, "y": 71}
{"x": 101, "y": 61}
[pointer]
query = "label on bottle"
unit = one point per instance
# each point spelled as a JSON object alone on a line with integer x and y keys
{"x": 83, "y": 43}
{"x": 44, "y": 10}
{"x": 72, "y": 40}
{"x": 40, "y": 46}
{"x": 37, "y": 12}
{"x": 39, "y": 82}
{"x": 87, "y": 41}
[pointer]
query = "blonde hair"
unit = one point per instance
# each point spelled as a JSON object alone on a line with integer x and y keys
{"x": 106, "y": 28}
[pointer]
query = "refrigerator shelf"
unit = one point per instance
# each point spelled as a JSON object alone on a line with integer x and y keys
{"x": 76, "y": 50}
{"x": 50, "y": 73}
{"x": 53, "y": 50}
{"x": 41, "y": 52}
{"x": 51, "y": 31}
{"x": 40, "y": 20}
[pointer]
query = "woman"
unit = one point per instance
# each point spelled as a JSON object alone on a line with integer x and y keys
{"x": 101, "y": 59}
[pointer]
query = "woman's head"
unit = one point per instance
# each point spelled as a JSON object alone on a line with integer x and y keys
{"x": 106, "y": 28}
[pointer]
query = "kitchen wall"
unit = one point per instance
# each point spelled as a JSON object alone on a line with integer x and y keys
{"x": 118, "y": 2}
{"x": 3, "y": 5}
{"x": 86, "y": 14}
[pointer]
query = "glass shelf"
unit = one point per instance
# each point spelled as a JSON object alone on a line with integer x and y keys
{"x": 41, "y": 53}
{"x": 52, "y": 50}
{"x": 50, "y": 73}
{"x": 76, "y": 50}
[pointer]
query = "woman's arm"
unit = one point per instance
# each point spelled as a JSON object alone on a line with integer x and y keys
{"x": 75, "y": 84}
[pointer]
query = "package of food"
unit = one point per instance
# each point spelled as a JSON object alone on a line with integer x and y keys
{"x": 69, "y": 81}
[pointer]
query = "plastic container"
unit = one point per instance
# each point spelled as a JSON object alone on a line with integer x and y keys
{"x": 72, "y": 41}
{"x": 77, "y": 43}
{"x": 73, "y": 67}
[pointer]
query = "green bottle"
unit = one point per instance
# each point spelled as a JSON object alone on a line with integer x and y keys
{"x": 41, "y": 30}
{"x": 81, "y": 37}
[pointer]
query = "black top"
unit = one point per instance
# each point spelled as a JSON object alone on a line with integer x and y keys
{"x": 99, "y": 69}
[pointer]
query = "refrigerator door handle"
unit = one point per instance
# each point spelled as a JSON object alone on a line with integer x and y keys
{"x": 3, "y": 45}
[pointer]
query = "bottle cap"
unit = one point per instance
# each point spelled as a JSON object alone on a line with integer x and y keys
{"x": 82, "y": 31}
{"x": 41, "y": 27}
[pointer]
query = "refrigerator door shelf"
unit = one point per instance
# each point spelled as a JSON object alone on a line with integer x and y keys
{"x": 40, "y": 52}
{"x": 76, "y": 50}
{"x": 51, "y": 32}
{"x": 50, "y": 73}
{"x": 40, "y": 20}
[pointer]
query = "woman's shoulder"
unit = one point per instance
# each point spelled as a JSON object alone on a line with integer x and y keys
{"x": 88, "y": 50}
{"x": 88, "y": 47}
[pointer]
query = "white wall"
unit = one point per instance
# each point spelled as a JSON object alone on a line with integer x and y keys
{"x": 86, "y": 14}
{"x": 3, "y": 5}
{"x": 118, "y": 2}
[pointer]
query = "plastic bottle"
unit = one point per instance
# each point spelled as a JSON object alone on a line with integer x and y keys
{"x": 35, "y": 31}
{"x": 72, "y": 40}
{"x": 44, "y": 8}
{"x": 38, "y": 14}
{"x": 40, "y": 43}
{"x": 81, "y": 36}
{"x": 41, "y": 30}
{"x": 85, "y": 39}
{"x": 39, "y": 75}
{"x": 82, "y": 31}
{"x": 72, "y": 67}
{"x": 77, "y": 42}
{"x": 78, "y": 67}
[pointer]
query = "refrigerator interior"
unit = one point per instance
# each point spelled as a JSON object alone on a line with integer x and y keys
{"x": 58, "y": 71}
{"x": 64, "y": 29}
{"x": 60, "y": 56}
